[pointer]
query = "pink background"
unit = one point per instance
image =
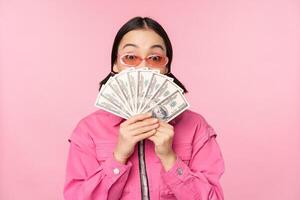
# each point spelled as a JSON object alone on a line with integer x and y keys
{"x": 239, "y": 59}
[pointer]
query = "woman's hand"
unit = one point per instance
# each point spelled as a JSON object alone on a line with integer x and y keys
{"x": 163, "y": 139}
{"x": 132, "y": 131}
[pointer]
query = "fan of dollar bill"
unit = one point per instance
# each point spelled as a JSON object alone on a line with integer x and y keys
{"x": 137, "y": 91}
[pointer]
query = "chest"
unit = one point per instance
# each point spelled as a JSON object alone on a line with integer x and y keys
{"x": 182, "y": 146}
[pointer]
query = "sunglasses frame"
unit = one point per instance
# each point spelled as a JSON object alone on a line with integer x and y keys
{"x": 120, "y": 56}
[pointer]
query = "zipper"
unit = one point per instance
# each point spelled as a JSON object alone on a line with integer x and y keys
{"x": 143, "y": 171}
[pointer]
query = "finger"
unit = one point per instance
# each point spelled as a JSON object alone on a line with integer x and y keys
{"x": 159, "y": 134}
{"x": 145, "y": 135}
{"x": 164, "y": 129}
{"x": 165, "y": 124}
{"x": 153, "y": 138}
{"x": 136, "y": 118}
{"x": 146, "y": 122}
{"x": 145, "y": 129}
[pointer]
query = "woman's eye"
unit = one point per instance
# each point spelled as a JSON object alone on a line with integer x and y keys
{"x": 155, "y": 58}
{"x": 130, "y": 57}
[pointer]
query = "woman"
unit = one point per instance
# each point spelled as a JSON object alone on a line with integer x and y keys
{"x": 183, "y": 158}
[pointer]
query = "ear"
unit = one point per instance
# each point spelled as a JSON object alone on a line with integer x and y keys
{"x": 115, "y": 68}
{"x": 166, "y": 70}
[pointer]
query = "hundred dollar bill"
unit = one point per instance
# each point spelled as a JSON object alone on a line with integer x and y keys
{"x": 123, "y": 83}
{"x": 135, "y": 91}
{"x": 107, "y": 94}
{"x": 156, "y": 82}
{"x": 105, "y": 104}
{"x": 144, "y": 80}
{"x": 112, "y": 82}
{"x": 167, "y": 88}
{"x": 132, "y": 80}
{"x": 126, "y": 70}
{"x": 170, "y": 107}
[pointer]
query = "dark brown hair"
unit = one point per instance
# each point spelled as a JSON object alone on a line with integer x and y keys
{"x": 142, "y": 23}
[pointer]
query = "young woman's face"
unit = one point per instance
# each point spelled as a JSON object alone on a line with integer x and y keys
{"x": 142, "y": 43}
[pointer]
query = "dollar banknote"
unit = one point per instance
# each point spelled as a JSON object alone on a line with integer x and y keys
{"x": 136, "y": 91}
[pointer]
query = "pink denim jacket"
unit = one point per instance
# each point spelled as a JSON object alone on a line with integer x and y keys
{"x": 92, "y": 173}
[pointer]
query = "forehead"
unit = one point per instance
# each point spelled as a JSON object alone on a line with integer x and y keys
{"x": 142, "y": 38}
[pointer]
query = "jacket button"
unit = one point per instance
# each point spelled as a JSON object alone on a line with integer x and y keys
{"x": 116, "y": 171}
{"x": 179, "y": 171}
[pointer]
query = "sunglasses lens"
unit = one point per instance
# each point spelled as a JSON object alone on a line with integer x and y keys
{"x": 131, "y": 60}
{"x": 157, "y": 60}
{"x": 154, "y": 60}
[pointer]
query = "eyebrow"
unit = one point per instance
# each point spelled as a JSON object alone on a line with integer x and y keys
{"x": 152, "y": 47}
{"x": 157, "y": 46}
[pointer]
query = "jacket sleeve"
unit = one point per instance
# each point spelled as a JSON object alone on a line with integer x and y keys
{"x": 199, "y": 179}
{"x": 86, "y": 178}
